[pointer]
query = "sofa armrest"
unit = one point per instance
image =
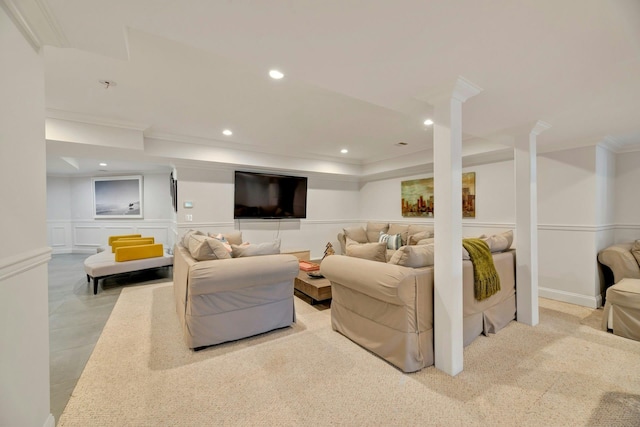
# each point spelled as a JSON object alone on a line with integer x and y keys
{"x": 621, "y": 261}
{"x": 391, "y": 283}
{"x": 206, "y": 277}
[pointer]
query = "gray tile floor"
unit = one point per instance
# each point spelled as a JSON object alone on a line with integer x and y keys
{"x": 77, "y": 317}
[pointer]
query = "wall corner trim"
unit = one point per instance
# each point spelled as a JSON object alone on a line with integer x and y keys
{"x": 24, "y": 261}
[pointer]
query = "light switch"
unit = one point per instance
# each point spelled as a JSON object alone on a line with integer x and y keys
{"x": 188, "y": 217}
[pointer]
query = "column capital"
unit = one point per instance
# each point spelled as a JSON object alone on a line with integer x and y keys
{"x": 539, "y": 127}
{"x": 464, "y": 89}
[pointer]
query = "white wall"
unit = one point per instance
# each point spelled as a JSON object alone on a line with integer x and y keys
{"x": 495, "y": 199}
{"x": 24, "y": 330}
{"x": 627, "y": 198}
{"x": 331, "y": 205}
{"x": 571, "y": 223}
{"x": 72, "y": 228}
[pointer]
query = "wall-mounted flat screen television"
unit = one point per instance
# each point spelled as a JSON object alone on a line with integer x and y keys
{"x": 262, "y": 195}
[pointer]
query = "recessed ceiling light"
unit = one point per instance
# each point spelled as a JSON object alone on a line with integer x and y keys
{"x": 227, "y": 132}
{"x": 344, "y": 151}
{"x": 428, "y": 122}
{"x": 275, "y": 74}
{"x": 103, "y": 164}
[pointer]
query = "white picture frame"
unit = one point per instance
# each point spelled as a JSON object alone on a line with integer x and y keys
{"x": 117, "y": 197}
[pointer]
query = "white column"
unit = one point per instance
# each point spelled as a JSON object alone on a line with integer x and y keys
{"x": 447, "y": 189}
{"x": 527, "y": 225}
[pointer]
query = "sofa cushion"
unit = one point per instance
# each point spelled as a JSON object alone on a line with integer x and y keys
{"x": 371, "y": 251}
{"x": 635, "y": 250}
{"x": 185, "y": 237}
{"x": 415, "y": 256}
{"x": 256, "y": 249}
{"x": 393, "y": 241}
{"x": 402, "y": 229}
{"x": 203, "y": 248}
{"x": 374, "y": 229}
{"x": 130, "y": 253}
{"x": 357, "y": 233}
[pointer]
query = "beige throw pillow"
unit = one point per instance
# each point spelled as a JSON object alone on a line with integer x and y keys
{"x": 233, "y": 237}
{"x": 203, "y": 248}
{"x": 185, "y": 237}
{"x": 358, "y": 234}
{"x": 500, "y": 242}
{"x": 421, "y": 235}
{"x": 374, "y": 229}
{"x": 635, "y": 250}
{"x": 413, "y": 256}
{"x": 370, "y": 251}
{"x": 269, "y": 248}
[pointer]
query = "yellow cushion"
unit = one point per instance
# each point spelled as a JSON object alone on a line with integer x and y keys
{"x": 122, "y": 236}
{"x": 129, "y": 253}
{"x": 131, "y": 242}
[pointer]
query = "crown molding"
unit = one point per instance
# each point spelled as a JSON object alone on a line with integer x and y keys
{"x": 36, "y": 22}
{"x": 52, "y": 113}
{"x": 237, "y": 146}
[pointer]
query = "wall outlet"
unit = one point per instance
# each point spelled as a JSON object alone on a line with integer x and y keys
{"x": 188, "y": 217}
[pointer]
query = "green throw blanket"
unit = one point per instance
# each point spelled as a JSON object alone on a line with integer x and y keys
{"x": 486, "y": 281}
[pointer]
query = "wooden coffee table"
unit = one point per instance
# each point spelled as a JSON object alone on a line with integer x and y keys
{"x": 316, "y": 289}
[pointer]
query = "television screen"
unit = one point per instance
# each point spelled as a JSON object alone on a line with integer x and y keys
{"x": 261, "y": 195}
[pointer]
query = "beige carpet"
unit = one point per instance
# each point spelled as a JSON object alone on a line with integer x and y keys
{"x": 565, "y": 371}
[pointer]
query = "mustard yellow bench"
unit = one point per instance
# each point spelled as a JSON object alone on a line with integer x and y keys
{"x": 127, "y": 255}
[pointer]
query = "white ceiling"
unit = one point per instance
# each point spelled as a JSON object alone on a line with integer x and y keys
{"x": 359, "y": 73}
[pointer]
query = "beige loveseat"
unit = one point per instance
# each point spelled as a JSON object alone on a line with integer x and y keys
{"x": 222, "y": 298}
{"x": 387, "y": 308}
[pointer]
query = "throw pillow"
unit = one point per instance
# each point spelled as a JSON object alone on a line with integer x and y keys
{"x": 393, "y": 241}
{"x": 356, "y": 233}
{"x": 370, "y": 251}
{"x": 374, "y": 229}
{"x": 426, "y": 241}
{"x": 402, "y": 229}
{"x": 233, "y": 237}
{"x": 257, "y": 249}
{"x": 414, "y": 256}
{"x": 421, "y": 235}
{"x": 500, "y": 242}
{"x": 419, "y": 228}
{"x": 203, "y": 248}
{"x": 185, "y": 238}
{"x": 224, "y": 242}
{"x": 635, "y": 250}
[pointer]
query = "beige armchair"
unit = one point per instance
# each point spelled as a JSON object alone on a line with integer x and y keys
{"x": 620, "y": 261}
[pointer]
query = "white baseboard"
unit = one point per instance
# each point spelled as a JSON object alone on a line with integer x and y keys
{"x": 570, "y": 297}
{"x": 50, "y": 421}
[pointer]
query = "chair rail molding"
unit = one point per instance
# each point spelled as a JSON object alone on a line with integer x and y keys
{"x": 24, "y": 261}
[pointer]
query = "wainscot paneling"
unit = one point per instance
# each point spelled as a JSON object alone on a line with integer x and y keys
{"x": 84, "y": 236}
